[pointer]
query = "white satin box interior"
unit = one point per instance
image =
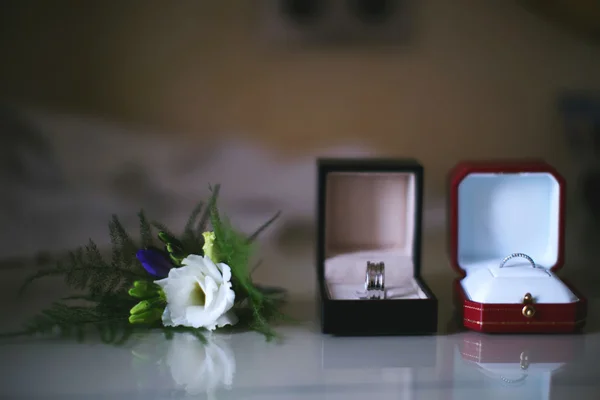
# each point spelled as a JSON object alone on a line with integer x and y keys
{"x": 502, "y": 214}
{"x": 370, "y": 211}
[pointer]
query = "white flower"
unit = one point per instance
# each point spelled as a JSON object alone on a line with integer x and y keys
{"x": 199, "y": 294}
{"x": 200, "y": 367}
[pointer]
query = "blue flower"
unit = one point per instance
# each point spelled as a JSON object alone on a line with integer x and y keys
{"x": 155, "y": 262}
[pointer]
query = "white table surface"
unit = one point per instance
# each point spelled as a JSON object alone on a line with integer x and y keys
{"x": 305, "y": 365}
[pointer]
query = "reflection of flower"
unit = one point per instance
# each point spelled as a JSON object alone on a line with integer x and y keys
{"x": 198, "y": 294}
{"x": 200, "y": 367}
{"x": 194, "y": 366}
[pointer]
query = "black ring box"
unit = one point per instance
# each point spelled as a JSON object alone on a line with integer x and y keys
{"x": 371, "y": 210}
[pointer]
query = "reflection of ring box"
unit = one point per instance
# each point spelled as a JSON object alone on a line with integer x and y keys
{"x": 376, "y": 362}
{"x": 509, "y": 207}
{"x": 378, "y": 352}
{"x": 523, "y": 366}
{"x": 370, "y": 210}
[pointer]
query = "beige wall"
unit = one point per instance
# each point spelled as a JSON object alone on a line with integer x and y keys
{"x": 478, "y": 79}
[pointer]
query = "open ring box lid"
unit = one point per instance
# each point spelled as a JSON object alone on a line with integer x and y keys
{"x": 500, "y": 208}
{"x": 370, "y": 210}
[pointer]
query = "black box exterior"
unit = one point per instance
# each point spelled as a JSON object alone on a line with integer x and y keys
{"x": 373, "y": 317}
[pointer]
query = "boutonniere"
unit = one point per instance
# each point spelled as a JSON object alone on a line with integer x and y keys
{"x": 198, "y": 281}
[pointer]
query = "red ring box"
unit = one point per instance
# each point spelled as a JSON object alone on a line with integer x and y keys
{"x": 500, "y": 208}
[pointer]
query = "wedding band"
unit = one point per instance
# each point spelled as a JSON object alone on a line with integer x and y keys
{"x": 371, "y": 277}
{"x": 374, "y": 281}
{"x": 518, "y": 255}
{"x": 381, "y": 277}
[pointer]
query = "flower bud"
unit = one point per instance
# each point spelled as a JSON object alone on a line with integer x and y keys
{"x": 155, "y": 262}
{"x": 141, "y": 307}
{"x": 144, "y": 290}
{"x": 210, "y": 247}
{"x": 146, "y": 305}
{"x": 146, "y": 317}
{"x": 173, "y": 247}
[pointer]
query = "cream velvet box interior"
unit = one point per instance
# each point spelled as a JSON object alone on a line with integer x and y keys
{"x": 500, "y": 214}
{"x": 370, "y": 216}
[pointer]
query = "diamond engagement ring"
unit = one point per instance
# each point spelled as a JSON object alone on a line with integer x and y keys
{"x": 518, "y": 255}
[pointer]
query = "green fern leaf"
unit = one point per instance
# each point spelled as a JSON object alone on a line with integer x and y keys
{"x": 205, "y": 218}
{"x": 192, "y": 242}
{"x": 236, "y": 251}
{"x": 52, "y": 272}
{"x": 93, "y": 257}
{"x": 124, "y": 243}
{"x": 75, "y": 275}
{"x": 263, "y": 227}
{"x": 162, "y": 227}
{"x": 146, "y": 236}
{"x": 189, "y": 231}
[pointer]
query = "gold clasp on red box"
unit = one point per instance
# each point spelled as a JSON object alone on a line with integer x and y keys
{"x": 528, "y": 310}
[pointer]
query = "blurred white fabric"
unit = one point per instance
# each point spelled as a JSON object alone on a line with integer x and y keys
{"x": 104, "y": 168}
{"x": 108, "y": 169}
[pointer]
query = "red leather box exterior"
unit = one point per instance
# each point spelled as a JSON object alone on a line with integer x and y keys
{"x": 509, "y": 318}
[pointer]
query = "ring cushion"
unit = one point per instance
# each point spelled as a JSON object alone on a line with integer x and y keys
{"x": 500, "y": 214}
{"x": 370, "y": 217}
